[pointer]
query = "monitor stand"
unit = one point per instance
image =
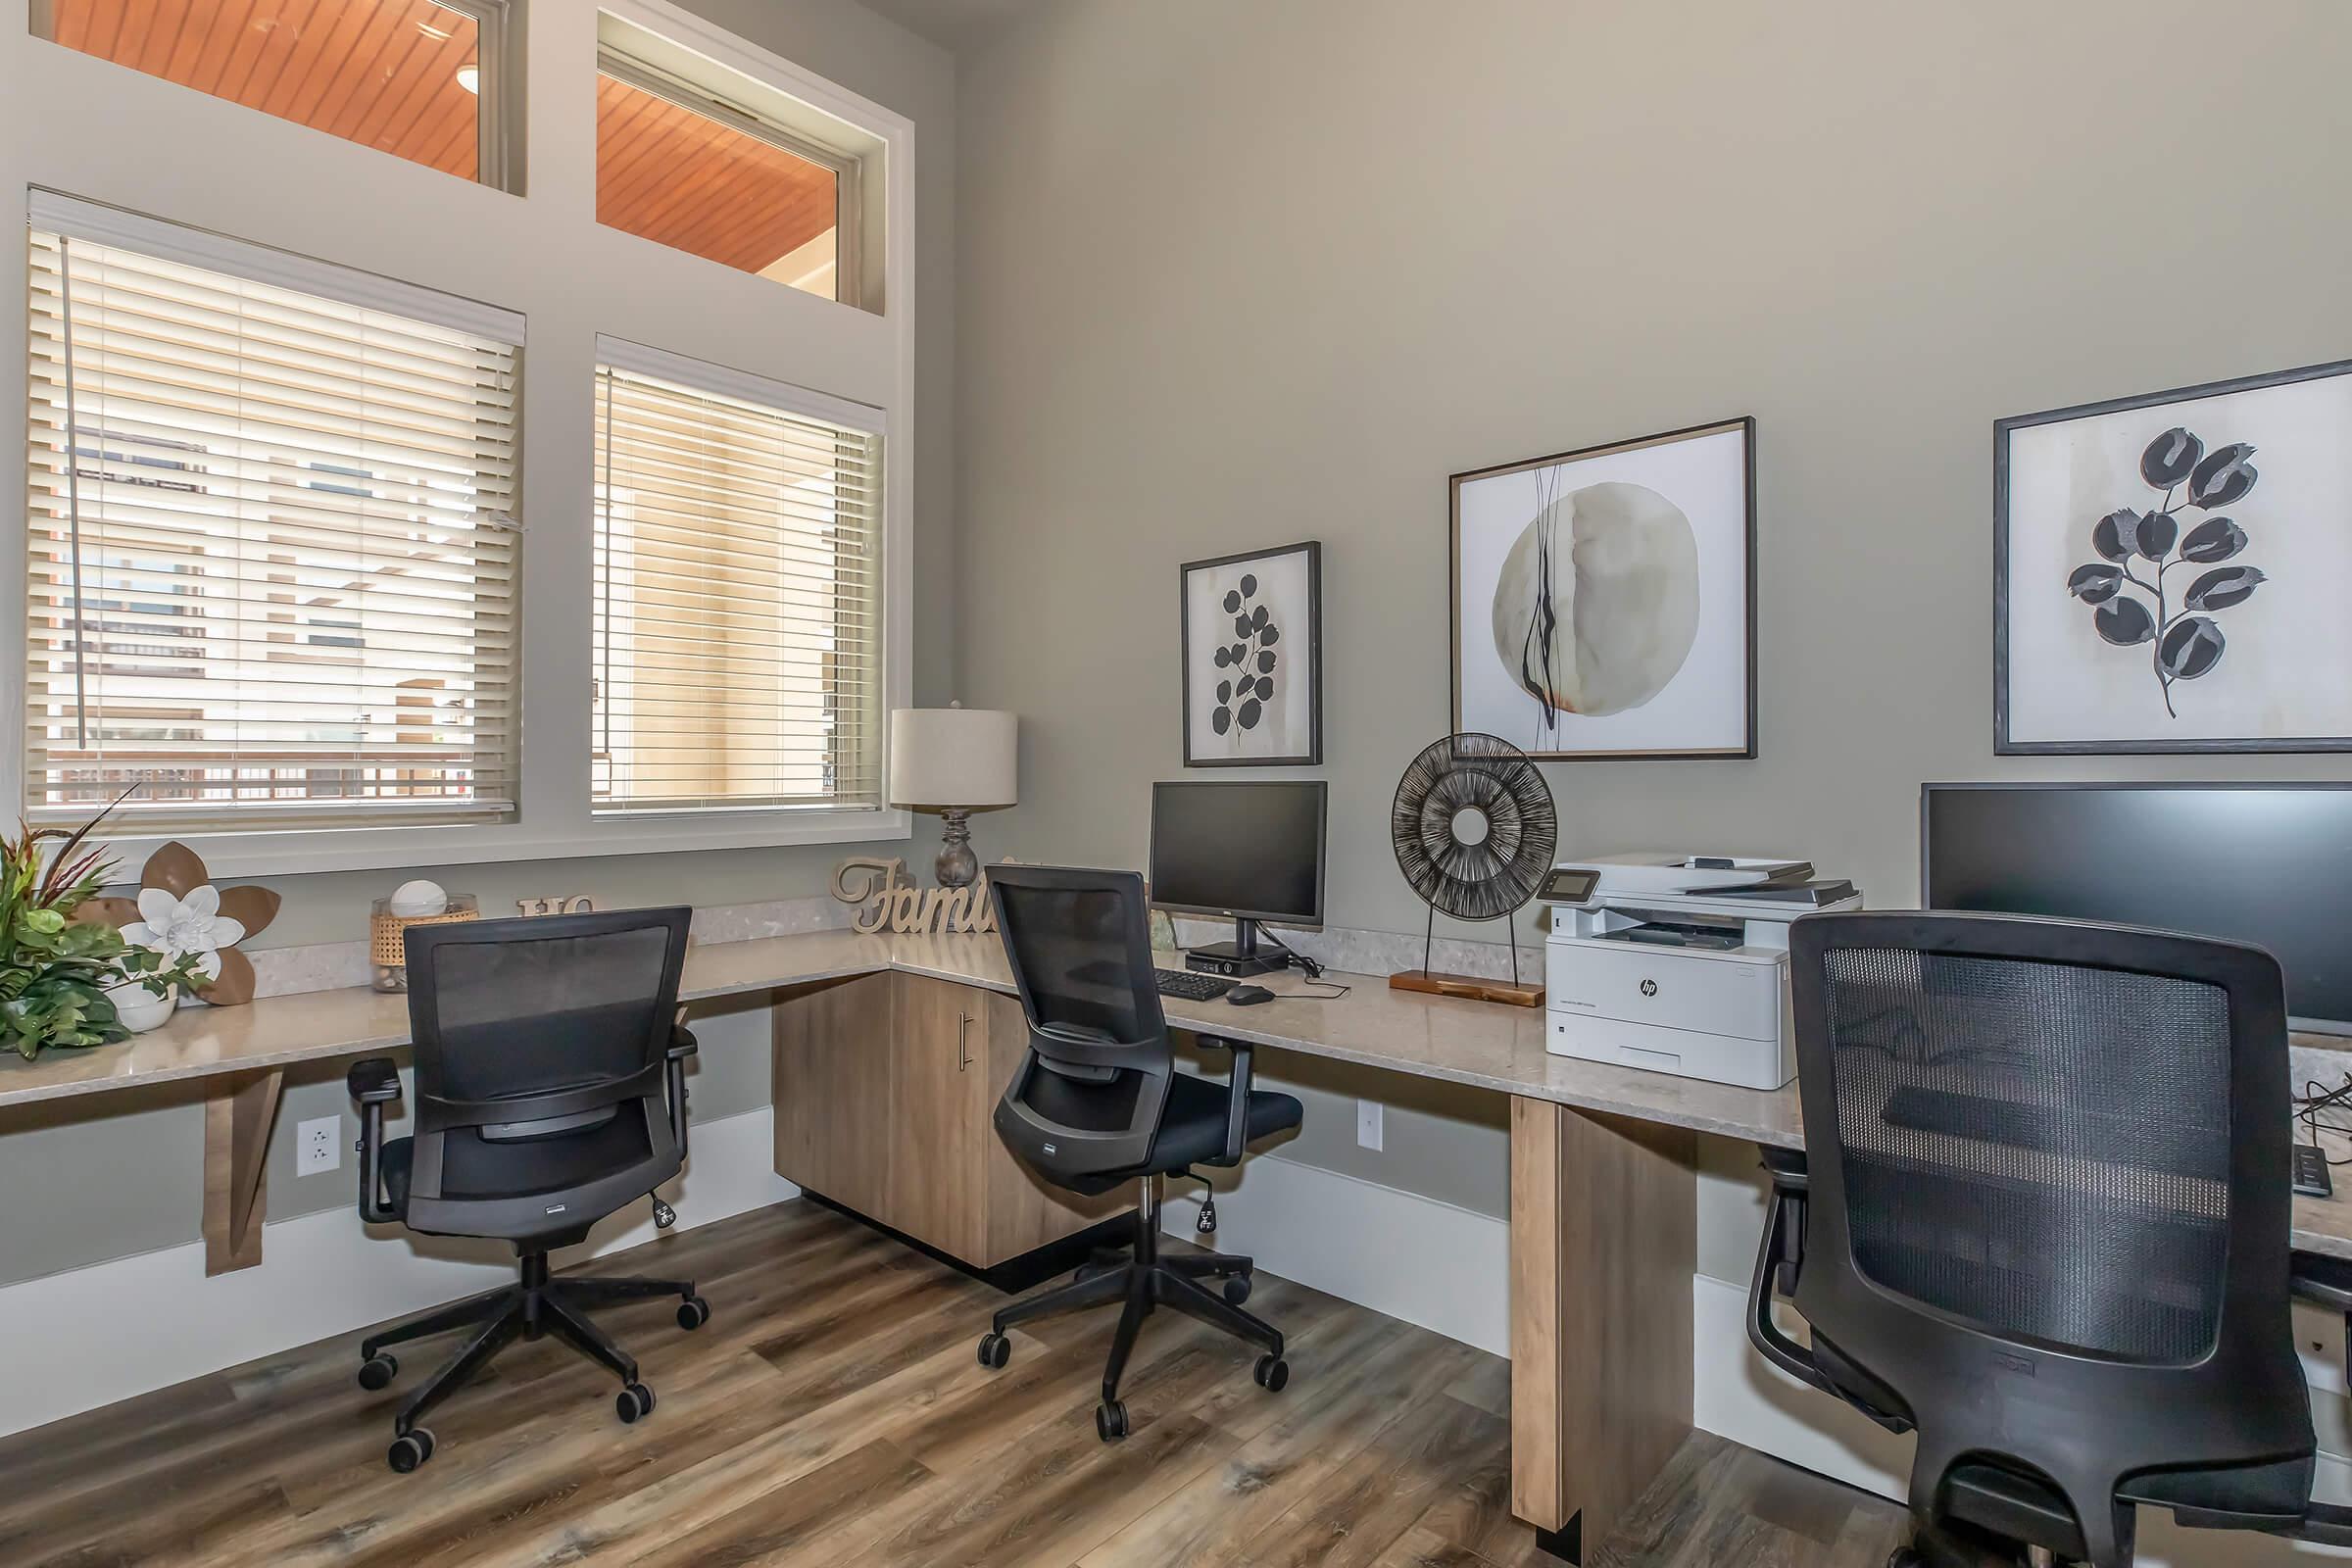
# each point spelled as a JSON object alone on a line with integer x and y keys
{"x": 1237, "y": 959}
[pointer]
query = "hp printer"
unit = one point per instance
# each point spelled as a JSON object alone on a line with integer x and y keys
{"x": 1679, "y": 963}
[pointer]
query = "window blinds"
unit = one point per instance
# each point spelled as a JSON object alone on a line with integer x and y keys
{"x": 273, "y": 562}
{"x": 738, "y": 595}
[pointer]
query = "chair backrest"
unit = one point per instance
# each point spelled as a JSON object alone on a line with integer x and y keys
{"x": 530, "y": 1035}
{"x": 2050, "y": 1208}
{"x": 1088, "y": 1096}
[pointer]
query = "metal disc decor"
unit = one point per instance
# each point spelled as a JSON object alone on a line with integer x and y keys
{"x": 1474, "y": 831}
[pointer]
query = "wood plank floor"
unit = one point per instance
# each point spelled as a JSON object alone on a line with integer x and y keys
{"x": 833, "y": 1411}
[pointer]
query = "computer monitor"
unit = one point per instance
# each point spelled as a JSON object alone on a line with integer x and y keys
{"x": 1248, "y": 852}
{"x": 2266, "y": 863}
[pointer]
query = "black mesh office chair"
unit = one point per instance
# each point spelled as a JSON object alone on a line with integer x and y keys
{"x": 2043, "y": 1220}
{"x": 1098, "y": 1102}
{"x": 551, "y": 1091}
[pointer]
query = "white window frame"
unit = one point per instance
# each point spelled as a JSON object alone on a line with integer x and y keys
{"x": 805, "y": 340}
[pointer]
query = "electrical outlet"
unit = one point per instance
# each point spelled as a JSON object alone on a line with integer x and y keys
{"x": 1367, "y": 1123}
{"x": 318, "y": 1145}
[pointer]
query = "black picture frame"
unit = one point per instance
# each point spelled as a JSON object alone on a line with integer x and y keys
{"x": 1745, "y": 425}
{"x": 1313, "y": 757}
{"x": 2006, "y": 745}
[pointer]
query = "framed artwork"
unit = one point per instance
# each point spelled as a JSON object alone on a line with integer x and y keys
{"x": 1253, "y": 629}
{"x": 2169, "y": 570}
{"x": 1604, "y": 600}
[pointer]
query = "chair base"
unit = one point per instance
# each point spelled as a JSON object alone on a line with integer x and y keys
{"x": 1144, "y": 1282}
{"x": 538, "y": 1305}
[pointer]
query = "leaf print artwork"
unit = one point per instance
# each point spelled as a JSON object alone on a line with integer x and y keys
{"x": 2126, "y": 588}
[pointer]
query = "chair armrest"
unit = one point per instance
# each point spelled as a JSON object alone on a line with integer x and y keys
{"x": 682, "y": 1045}
{"x": 1780, "y": 1259}
{"x": 1237, "y": 1106}
{"x": 374, "y": 1082}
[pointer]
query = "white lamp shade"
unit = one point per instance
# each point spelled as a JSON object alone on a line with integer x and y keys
{"x": 954, "y": 757}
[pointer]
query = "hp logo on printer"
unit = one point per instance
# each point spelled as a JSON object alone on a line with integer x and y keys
{"x": 1650, "y": 988}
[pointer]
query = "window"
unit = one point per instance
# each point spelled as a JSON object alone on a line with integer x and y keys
{"x": 738, "y": 591}
{"x": 271, "y": 559}
{"x": 709, "y": 161}
{"x": 417, "y": 78}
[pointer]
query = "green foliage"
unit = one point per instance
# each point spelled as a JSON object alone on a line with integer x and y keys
{"x": 54, "y": 970}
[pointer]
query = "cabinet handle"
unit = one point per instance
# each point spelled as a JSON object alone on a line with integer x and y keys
{"x": 963, "y": 1051}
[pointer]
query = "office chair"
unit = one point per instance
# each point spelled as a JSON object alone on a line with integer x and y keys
{"x": 551, "y": 1091}
{"x": 1098, "y": 1102}
{"x": 2043, "y": 1221}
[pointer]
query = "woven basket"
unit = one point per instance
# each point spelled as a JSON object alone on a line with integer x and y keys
{"x": 387, "y": 948}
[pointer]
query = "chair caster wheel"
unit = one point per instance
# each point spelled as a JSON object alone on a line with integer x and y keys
{"x": 693, "y": 1312}
{"x": 1110, "y": 1420}
{"x": 1237, "y": 1289}
{"x": 1905, "y": 1557}
{"x": 377, "y": 1372}
{"x": 995, "y": 1351}
{"x": 1273, "y": 1373}
{"x": 635, "y": 1402}
{"x": 409, "y": 1449}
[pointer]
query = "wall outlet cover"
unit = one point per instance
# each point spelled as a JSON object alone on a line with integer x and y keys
{"x": 1368, "y": 1123}
{"x": 318, "y": 1145}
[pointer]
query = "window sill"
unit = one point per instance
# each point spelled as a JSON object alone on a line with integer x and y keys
{"x": 374, "y": 848}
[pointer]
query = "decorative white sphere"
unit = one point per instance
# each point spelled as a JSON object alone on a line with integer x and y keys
{"x": 413, "y": 900}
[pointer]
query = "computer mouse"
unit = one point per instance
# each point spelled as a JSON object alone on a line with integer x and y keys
{"x": 1248, "y": 996}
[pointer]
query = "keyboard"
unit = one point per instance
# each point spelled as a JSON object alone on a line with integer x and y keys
{"x": 1190, "y": 985}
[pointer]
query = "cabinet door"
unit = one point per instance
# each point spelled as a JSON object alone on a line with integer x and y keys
{"x": 1024, "y": 1213}
{"x": 935, "y": 1188}
{"x": 834, "y": 1046}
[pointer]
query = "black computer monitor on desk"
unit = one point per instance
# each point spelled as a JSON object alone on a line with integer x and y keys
{"x": 1244, "y": 852}
{"x": 2266, "y": 863}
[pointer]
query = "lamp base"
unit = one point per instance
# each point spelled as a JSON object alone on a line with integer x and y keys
{"x": 956, "y": 867}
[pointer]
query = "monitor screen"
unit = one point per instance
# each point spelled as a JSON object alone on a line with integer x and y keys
{"x": 2270, "y": 864}
{"x": 1253, "y": 850}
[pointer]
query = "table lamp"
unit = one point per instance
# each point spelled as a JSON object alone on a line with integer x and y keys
{"x": 956, "y": 759}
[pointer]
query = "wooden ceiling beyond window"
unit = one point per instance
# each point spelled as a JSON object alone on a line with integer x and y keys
{"x": 381, "y": 73}
{"x": 685, "y": 179}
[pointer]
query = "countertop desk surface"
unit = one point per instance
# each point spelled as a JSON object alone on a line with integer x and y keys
{"x": 1480, "y": 1044}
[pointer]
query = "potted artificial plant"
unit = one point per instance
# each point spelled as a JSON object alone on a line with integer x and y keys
{"x": 60, "y": 976}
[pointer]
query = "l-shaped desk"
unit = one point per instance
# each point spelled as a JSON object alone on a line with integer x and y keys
{"x": 1603, "y": 1170}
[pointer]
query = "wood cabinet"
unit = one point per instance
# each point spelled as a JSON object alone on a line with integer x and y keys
{"x": 884, "y": 1090}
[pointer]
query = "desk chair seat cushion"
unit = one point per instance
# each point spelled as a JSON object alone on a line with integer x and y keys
{"x": 1192, "y": 1129}
{"x": 474, "y": 1168}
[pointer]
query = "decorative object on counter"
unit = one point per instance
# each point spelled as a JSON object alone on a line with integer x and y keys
{"x": 417, "y": 903}
{"x": 2099, "y": 648}
{"x": 567, "y": 904}
{"x": 957, "y": 758}
{"x": 1604, "y": 600}
{"x": 1474, "y": 831}
{"x": 180, "y": 914}
{"x": 1252, "y": 628}
{"x": 886, "y": 899}
{"x": 59, "y": 959}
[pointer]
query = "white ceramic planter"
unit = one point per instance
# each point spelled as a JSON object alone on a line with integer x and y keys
{"x": 139, "y": 1008}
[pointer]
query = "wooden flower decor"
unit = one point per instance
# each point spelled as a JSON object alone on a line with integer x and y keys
{"x": 178, "y": 912}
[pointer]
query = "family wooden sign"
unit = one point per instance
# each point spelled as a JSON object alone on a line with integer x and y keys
{"x": 885, "y": 898}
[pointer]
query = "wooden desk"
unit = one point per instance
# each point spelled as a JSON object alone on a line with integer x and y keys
{"x": 1603, "y": 1181}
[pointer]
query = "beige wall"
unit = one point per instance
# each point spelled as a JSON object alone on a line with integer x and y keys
{"x": 1236, "y": 273}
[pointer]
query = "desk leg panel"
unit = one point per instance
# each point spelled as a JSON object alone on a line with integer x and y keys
{"x": 238, "y": 1115}
{"x": 1603, "y": 1243}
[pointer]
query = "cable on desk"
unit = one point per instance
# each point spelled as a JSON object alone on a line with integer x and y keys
{"x": 2317, "y": 1104}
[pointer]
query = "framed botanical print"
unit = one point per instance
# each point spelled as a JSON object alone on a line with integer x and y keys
{"x": 1252, "y": 655}
{"x": 1605, "y": 601}
{"x": 2169, "y": 570}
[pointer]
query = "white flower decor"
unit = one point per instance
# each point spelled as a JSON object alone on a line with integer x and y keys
{"x": 192, "y": 927}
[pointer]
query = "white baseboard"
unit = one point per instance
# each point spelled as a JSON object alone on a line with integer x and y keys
{"x": 1742, "y": 1397}
{"x": 1430, "y": 1264}
{"x": 135, "y": 1324}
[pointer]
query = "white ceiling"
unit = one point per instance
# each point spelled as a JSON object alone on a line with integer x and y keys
{"x": 959, "y": 26}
